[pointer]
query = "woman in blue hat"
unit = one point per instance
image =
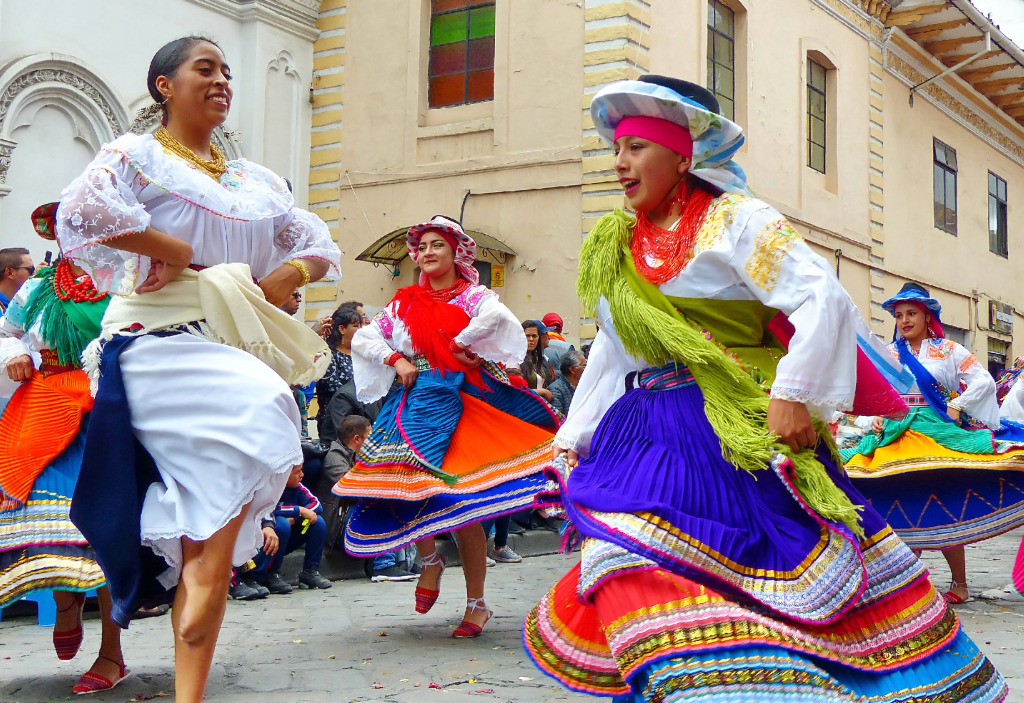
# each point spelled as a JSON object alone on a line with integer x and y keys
{"x": 947, "y": 474}
{"x": 726, "y": 556}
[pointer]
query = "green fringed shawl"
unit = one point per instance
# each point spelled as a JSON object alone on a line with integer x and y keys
{"x": 652, "y": 328}
{"x": 67, "y": 327}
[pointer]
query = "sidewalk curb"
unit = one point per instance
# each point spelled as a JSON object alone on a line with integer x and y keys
{"x": 338, "y": 566}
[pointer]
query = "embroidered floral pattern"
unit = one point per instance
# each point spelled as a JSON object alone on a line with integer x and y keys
{"x": 940, "y": 348}
{"x": 765, "y": 263}
{"x": 384, "y": 321}
{"x": 718, "y": 220}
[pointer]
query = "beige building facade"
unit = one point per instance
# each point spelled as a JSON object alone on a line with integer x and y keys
{"x": 885, "y": 187}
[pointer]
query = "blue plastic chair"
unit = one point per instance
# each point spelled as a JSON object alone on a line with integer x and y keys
{"x": 46, "y": 607}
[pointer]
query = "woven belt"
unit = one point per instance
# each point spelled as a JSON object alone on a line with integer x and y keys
{"x": 662, "y": 378}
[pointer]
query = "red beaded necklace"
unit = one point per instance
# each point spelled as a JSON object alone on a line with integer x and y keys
{"x": 78, "y": 291}
{"x": 444, "y": 295}
{"x": 659, "y": 254}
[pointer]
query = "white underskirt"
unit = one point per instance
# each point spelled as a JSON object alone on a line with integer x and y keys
{"x": 223, "y": 429}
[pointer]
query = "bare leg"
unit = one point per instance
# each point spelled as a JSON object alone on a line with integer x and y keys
{"x": 472, "y": 543}
{"x": 67, "y": 613}
{"x": 110, "y": 654}
{"x": 957, "y": 561}
{"x": 199, "y": 607}
{"x": 430, "y": 572}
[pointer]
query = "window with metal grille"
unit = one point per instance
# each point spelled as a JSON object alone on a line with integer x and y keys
{"x": 997, "y": 224}
{"x": 944, "y": 186}
{"x": 461, "y": 52}
{"x": 816, "y": 115}
{"x": 722, "y": 56}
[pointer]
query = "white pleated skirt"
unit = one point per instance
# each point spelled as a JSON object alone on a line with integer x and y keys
{"x": 223, "y": 430}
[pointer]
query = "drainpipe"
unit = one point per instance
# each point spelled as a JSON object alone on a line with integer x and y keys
{"x": 937, "y": 76}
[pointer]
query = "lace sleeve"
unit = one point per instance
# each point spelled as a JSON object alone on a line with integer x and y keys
{"x": 493, "y": 331}
{"x": 306, "y": 237}
{"x": 370, "y": 352}
{"x": 98, "y": 206}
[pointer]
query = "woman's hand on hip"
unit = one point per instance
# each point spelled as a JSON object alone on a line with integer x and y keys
{"x": 791, "y": 421}
{"x": 406, "y": 372}
{"x": 161, "y": 273}
{"x": 20, "y": 368}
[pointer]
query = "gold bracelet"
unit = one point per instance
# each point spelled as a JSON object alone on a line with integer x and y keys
{"x": 303, "y": 269}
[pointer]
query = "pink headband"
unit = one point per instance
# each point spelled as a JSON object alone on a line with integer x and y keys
{"x": 668, "y": 134}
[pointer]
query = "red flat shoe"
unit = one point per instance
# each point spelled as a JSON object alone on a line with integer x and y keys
{"x": 68, "y": 642}
{"x": 954, "y": 599}
{"x": 426, "y": 597}
{"x": 471, "y": 629}
{"x": 94, "y": 683}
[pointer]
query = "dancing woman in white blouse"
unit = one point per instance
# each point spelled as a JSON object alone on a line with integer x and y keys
{"x": 201, "y": 251}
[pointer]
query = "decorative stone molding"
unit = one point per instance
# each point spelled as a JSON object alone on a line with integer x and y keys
{"x": 901, "y": 66}
{"x": 66, "y": 76}
{"x": 297, "y": 17}
{"x": 6, "y": 149}
{"x": 852, "y": 14}
{"x": 55, "y": 77}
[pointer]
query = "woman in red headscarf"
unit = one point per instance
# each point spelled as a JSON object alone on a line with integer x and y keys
{"x": 456, "y": 444}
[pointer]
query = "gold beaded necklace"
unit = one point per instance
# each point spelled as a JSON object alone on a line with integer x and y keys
{"x": 214, "y": 168}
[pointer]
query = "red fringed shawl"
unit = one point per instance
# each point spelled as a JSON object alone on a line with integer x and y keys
{"x": 433, "y": 322}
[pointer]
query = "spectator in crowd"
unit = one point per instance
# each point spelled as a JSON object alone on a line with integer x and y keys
{"x": 553, "y": 321}
{"x": 244, "y": 585}
{"x": 298, "y": 522}
{"x": 16, "y": 264}
{"x": 573, "y": 363}
{"x": 536, "y": 369}
{"x": 501, "y": 552}
{"x": 344, "y": 324}
{"x": 557, "y": 345}
{"x": 358, "y": 307}
{"x": 352, "y": 431}
{"x": 291, "y": 306}
{"x": 323, "y": 325}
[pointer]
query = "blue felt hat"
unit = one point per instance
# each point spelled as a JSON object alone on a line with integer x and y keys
{"x": 916, "y": 293}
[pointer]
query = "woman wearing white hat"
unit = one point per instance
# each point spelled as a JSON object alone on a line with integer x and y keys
{"x": 726, "y": 556}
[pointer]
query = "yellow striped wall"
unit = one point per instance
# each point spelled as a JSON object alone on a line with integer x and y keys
{"x": 325, "y": 142}
{"x": 617, "y": 45}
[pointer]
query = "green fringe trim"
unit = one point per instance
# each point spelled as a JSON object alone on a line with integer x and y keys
{"x": 60, "y": 327}
{"x": 735, "y": 405}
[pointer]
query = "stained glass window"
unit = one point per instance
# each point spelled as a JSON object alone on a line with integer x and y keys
{"x": 461, "y": 52}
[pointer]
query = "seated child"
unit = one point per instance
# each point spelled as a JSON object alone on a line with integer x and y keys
{"x": 297, "y": 522}
{"x": 352, "y": 431}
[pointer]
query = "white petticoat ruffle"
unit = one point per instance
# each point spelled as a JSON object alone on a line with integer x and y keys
{"x": 223, "y": 430}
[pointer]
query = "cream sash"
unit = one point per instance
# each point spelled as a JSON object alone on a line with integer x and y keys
{"x": 234, "y": 312}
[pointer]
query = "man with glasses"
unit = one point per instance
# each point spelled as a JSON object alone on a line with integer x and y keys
{"x": 16, "y": 264}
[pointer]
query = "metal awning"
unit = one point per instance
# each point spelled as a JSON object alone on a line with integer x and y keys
{"x": 390, "y": 249}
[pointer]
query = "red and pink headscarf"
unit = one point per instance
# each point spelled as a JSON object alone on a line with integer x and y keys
{"x": 461, "y": 243}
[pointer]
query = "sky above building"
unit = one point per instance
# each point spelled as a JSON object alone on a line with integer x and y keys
{"x": 1008, "y": 14}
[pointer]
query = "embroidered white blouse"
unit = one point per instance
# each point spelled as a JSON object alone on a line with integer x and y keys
{"x": 955, "y": 367}
{"x": 16, "y": 341}
{"x": 745, "y": 250}
{"x": 493, "y": 332}
{"x": 1013, "y": 403}
{"x": 133, "y": 183}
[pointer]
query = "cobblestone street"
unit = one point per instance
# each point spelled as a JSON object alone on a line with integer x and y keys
{"x": 361, "y": 641}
